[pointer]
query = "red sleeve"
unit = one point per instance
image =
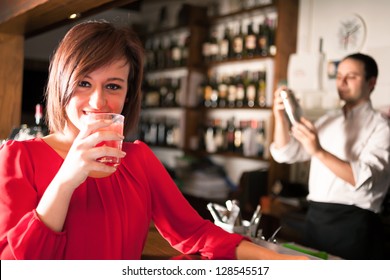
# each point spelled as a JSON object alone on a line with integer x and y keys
{"x": 178, "y": 222}
{"x": 22, "y": 234}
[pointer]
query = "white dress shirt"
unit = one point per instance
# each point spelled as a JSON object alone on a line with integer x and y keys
{"x": 362, "y": 138}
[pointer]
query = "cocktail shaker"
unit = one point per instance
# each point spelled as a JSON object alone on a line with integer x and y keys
{"x": 291, "y": 106}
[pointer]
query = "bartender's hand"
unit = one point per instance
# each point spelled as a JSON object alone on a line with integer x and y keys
{"x": 306, "y": 133}
{"x": 282, "y": 126}
{"x": 278, "y": 107}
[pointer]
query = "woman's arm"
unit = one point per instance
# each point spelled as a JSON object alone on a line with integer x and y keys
{"x": 250, "y": 251}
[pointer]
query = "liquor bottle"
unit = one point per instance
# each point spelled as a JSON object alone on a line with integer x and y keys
{"x": 185, "y": 50}
{"x": 220, "y": 138}
{"x": 222, "y": 91}
{"x": 169, "y": 141}
{"x": 238, "y": 137}
{"x": 261, "y": 138}
{"x": 240, "y": 91}
{"x": 176, "y": 90}
{"x": 232, "y": 93}
{"x": 207, "y": 92}
{"x": 251, "y": 90}
{"x": 176, "y": 133}
{"x": 160, "y": 54}
{"x": 261, "y": 89}
{"x": 238, "y": 43}
{"x": 149, "y": 55}
{"x": 206, "y": 49}
{"x": 153, "y": 130}
{"x": 176, "y": 55}
{"x": 209, "y": 137}
{"x": 143, "y": 129}
{"x": 39, "y": 129}
{"x": 272, "y": 34}
{"x": 214, "y": 92}
{"x": 230, "y": 133}
{"x": 167, "y": 51}
{"x": 170, "y": 96}
{"x": 213, "y": 46}
{"x": 263, "y": 39}
{"x": 250, "y": 147}
{"x": 225, "y": 46}
{"x": 152, "y": 96}
{"x": 163, "y": 92}
{"x": 161, "y": 132}
{"x": 250, "y": 41}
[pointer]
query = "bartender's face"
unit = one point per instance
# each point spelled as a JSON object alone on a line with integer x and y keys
{"x": 352, "y": 85}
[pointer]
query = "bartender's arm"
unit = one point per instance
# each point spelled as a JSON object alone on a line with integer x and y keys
{"x": 306, "y": 134}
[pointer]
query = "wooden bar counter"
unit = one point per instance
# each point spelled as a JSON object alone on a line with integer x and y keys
{"x": 157, "y": 248}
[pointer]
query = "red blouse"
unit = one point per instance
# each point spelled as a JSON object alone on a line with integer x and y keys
{"x": 108, "y": 218}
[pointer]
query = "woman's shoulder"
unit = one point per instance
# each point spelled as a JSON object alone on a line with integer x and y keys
{"x": 22, "y": 152}
{"x": 135, "y": 146}
{"x": 13, "y": 145}
{"x": 138, "y": 151}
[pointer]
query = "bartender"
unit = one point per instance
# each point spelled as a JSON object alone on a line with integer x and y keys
{"x": 349, "y": 150}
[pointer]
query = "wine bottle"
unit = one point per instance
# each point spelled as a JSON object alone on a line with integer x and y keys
{"x": 40, "y": 129}
{"x": 222, "y": 91}
{"x": 225, "y": 46}
{"x": 230, "y": 133}
{"x": 213, "y": 46}
{"x": 176, "y": 55}
{"x": 240, "y": 91}
{"x": 214, "y": 92}
{"x": 238, "y": 43}
{"x": 160, "y": 55}
{"x": 250, "y": 41}
{"x": 261, "y": 89}
{"x": 232, "y": 93}
{"x": 263, "y": 39}
{"x": 251, "y": 90}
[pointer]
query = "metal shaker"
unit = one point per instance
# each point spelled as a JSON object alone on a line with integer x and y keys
{"x": 291, "y": 106}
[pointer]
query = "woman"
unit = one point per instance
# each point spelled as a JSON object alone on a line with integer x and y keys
{"x": 59, "y": 202}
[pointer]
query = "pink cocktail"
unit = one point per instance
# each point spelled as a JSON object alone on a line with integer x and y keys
{"x": 116, "y": 126}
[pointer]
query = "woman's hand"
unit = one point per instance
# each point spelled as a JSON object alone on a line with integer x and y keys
{"x": 81, "y": 159}
{"x": 79, "y": 162}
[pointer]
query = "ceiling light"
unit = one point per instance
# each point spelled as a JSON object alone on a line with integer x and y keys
{"x": 74, "y": 15}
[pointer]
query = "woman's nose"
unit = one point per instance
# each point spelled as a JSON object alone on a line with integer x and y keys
{"x": 97, "y": 99}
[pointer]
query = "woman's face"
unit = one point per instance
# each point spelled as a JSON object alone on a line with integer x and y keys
{"x": 101, "y": 91}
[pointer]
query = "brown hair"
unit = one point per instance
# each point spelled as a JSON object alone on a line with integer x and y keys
{"x": 86, "y": 47}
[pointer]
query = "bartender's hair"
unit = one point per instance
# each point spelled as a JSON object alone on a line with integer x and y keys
{"x": 370, "y": 65}
{"x": 86, "y": 47}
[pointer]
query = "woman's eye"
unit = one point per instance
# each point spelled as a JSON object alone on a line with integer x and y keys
{"x": 84, "y": 84}
{"x": 113, "y": 86}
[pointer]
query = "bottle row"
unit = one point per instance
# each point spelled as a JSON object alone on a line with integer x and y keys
{"x": 166, "y": 51}
{"x": 159, "y": 131}
{"x": 239, "y": 41}
{"x": 161, "y": 92}
{"x": 244, "y": 137}
{"x": 245, "y": 89}
{"x": 224, "y": 7}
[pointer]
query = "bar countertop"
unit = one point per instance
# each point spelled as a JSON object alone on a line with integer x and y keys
{"x": 157, "y": 248}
